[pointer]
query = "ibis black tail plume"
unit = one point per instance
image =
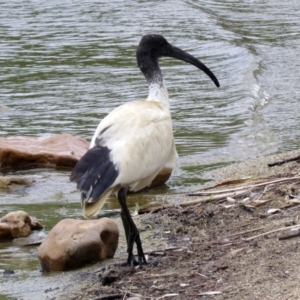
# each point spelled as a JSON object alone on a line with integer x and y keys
{"x": 94, "y": 173}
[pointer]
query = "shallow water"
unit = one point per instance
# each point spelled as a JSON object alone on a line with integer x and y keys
{"x": 64, "y": 65}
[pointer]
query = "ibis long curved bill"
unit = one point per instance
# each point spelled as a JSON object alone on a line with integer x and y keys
{"x": 185, "y": 56}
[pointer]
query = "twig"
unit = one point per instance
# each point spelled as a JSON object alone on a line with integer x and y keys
{"x": 237, "y": 181}
{"x": 281, "y": 162}
{"x": 248, "y": 187}
{"x": 291, "y": 203}
{"x": 256, "y": 204}
{"x": 165, "y": 249}
{"x": 272, "y": 231}
{"x": 202, "y": 275}
{"x": 233, "y": 243}
{"x": 210, "y": 293}
{"x": 32, "y": 244}
{"x": 160, "y": 275}
{"x": 124, "y": 295}
{"x": 109, "y": 297}
{"x": 220, "y": 196}
{"x": 244, "y": 232}
{"x": 167, "y": 295}
{"x": 239, "y": 226}
{"x": 207, "y": 193}
{"x": 135, "y": 295}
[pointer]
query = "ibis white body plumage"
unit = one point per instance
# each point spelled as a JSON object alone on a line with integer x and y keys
{"x": 133, "y": 143}
{"x": 140, "y": 137}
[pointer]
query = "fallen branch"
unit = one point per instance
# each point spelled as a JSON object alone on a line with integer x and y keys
{"x": 281, "y": 162}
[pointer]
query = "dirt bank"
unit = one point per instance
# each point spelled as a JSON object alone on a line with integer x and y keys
{"x": 235, "y": 244}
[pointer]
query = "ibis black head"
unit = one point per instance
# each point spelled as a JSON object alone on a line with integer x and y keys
{"x": 154, "y": 46}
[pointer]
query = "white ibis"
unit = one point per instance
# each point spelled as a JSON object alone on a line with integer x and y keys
{"x": 133, "y": 143}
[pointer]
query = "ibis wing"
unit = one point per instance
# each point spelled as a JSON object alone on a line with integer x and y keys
{"x": 94, "y": 173}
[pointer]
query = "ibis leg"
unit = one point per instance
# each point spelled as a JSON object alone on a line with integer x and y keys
{"x": 131, "y": 232}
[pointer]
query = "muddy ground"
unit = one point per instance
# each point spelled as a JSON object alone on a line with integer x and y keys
{"x": 227, "y": 246}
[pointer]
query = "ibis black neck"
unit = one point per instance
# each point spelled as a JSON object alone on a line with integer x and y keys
{"x": 150, "y": 68}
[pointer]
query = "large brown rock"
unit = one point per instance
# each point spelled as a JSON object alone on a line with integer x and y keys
{"x": 73, "y": 243}
{"x": 59, "y": 150}
{"x": 17, "y": 224}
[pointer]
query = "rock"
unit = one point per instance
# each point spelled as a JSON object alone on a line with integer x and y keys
{"x": 8, "y": 272}
{"x": 59, "y": 150}
{"x": 161, "y": 178}
{"x": 5, "y": 232}
{"x": 111, "y": 274}
{"x": 35, "y": 224}
{"x": 12, "y": 182}
{"x": 17, "y": 224}
{"x": 73, "y": 243}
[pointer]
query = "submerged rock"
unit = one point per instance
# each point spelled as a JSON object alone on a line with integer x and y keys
{"x": 17, "y": 224}
{"x": 161, "y": 178}
{"x": 59, "y": 150}
{"x": 73, "y": 243}
{"x": 12, "y": 182}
